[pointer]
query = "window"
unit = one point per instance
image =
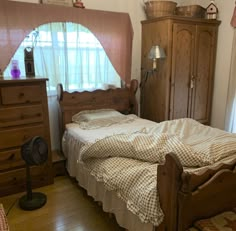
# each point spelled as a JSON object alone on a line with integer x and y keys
{"x": 70, "y": 54}
{"x": 230, "y": 116}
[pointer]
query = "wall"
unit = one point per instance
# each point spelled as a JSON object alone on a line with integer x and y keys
{"x": 224, "y": 49}
{"x": 225, "y": 38}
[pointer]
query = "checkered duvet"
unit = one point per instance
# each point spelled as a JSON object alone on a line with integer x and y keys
{"x": 196, "y": 145}
{"x": 127, "y": 163}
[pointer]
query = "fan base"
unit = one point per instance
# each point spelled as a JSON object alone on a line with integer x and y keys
{"x": 38, "y": 200}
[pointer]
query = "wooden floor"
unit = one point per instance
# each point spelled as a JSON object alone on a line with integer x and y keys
{"x": 68, "y": 208}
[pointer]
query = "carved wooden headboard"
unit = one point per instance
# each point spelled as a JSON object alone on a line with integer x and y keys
{"x": 120, "y": 99}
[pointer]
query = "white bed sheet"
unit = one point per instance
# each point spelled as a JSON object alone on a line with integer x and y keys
{"x": 99, "y": 133}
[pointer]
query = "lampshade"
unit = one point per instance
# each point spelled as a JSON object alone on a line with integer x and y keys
{"x": 156, "y": 52}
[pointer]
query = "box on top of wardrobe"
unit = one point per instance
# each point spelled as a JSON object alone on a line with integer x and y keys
{"x": 194, "y": 11}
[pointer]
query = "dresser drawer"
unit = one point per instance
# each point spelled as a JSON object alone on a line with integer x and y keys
{"x": 23, "y": 115}
{"x": 15, "y": 181}
{"x": 21, "y": 94}
{"x": 11, "y": 159}
{"x": 20, "y": 115}
{"x": 16, "y": 137}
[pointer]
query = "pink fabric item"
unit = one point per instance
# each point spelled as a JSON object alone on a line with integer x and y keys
{"x": 3, "y": 220}
{"x": 233, "y": 19}
{"x": 225, "y": 221}
{"x": 113, "y": 30}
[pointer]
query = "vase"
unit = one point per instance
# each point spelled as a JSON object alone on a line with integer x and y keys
{"x": 15, "y": 71}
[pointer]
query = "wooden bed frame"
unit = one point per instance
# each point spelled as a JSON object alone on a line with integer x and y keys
{"x": 184, "y": 197}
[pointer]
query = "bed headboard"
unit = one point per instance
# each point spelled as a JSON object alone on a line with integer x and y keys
{"x": 120, "y": 99}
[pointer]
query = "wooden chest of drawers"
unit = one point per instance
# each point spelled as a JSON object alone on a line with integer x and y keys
{"x": 23, "y": 115}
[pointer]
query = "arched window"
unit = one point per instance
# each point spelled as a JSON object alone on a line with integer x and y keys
{"x": 70, "y": 54}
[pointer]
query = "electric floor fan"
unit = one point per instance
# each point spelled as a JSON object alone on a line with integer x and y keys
{"x": 33, "y": 152}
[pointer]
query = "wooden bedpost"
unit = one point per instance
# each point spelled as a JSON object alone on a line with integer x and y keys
{"x": 168, "y": 185}
{"x": 133, "y": 87}
{"x": 60, "y": 116}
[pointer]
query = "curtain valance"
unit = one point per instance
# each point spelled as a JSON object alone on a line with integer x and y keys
{"x": 112, "y": 29}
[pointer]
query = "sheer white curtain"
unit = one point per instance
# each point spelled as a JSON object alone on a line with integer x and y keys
{"x": 230, "y": 122}
{"x": 70, "y": 54}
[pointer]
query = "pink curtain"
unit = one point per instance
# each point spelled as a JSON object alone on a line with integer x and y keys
{"x": 233, "y": 19}
{"x": 112, "y": 29}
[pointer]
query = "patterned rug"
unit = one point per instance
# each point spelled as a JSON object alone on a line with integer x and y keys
{"x": 225, "y": 221}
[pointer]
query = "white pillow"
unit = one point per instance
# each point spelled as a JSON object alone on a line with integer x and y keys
{"x": 88, "y": 115}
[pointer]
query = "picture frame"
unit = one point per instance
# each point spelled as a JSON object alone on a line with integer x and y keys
{"x": 58, "y": 2}
{"x": 29, "y": 62}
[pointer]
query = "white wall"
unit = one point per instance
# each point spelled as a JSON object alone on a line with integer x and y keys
{"x": 225, "y": 38}
{"x": 224, "y": 49}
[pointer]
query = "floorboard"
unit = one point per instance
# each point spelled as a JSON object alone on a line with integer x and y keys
{"x": 68, "y": 208}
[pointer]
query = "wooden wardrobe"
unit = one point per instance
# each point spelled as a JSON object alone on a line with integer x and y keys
{"x": 182, "y": 84}
{"x": 23, "y": 115}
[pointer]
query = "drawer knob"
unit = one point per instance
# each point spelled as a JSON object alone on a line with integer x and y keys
{"x": 11, "y": 157}
{"x": 14, "y": 180}
{"x": 21, "y": 94}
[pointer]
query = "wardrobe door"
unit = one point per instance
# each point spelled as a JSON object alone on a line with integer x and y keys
{"x": 182, "y": 70}
{"x": 203, "y": 73}
{"x": 155, "y": 85}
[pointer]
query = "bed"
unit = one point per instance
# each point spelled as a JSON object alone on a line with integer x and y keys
{"x": 183, "y": 193}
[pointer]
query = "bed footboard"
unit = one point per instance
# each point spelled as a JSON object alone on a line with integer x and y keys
{"x": 186, "y": 197}
{"x": 168, "y": 186}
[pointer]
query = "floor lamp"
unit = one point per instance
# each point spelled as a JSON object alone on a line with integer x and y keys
{"x": 156, "y": 52}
